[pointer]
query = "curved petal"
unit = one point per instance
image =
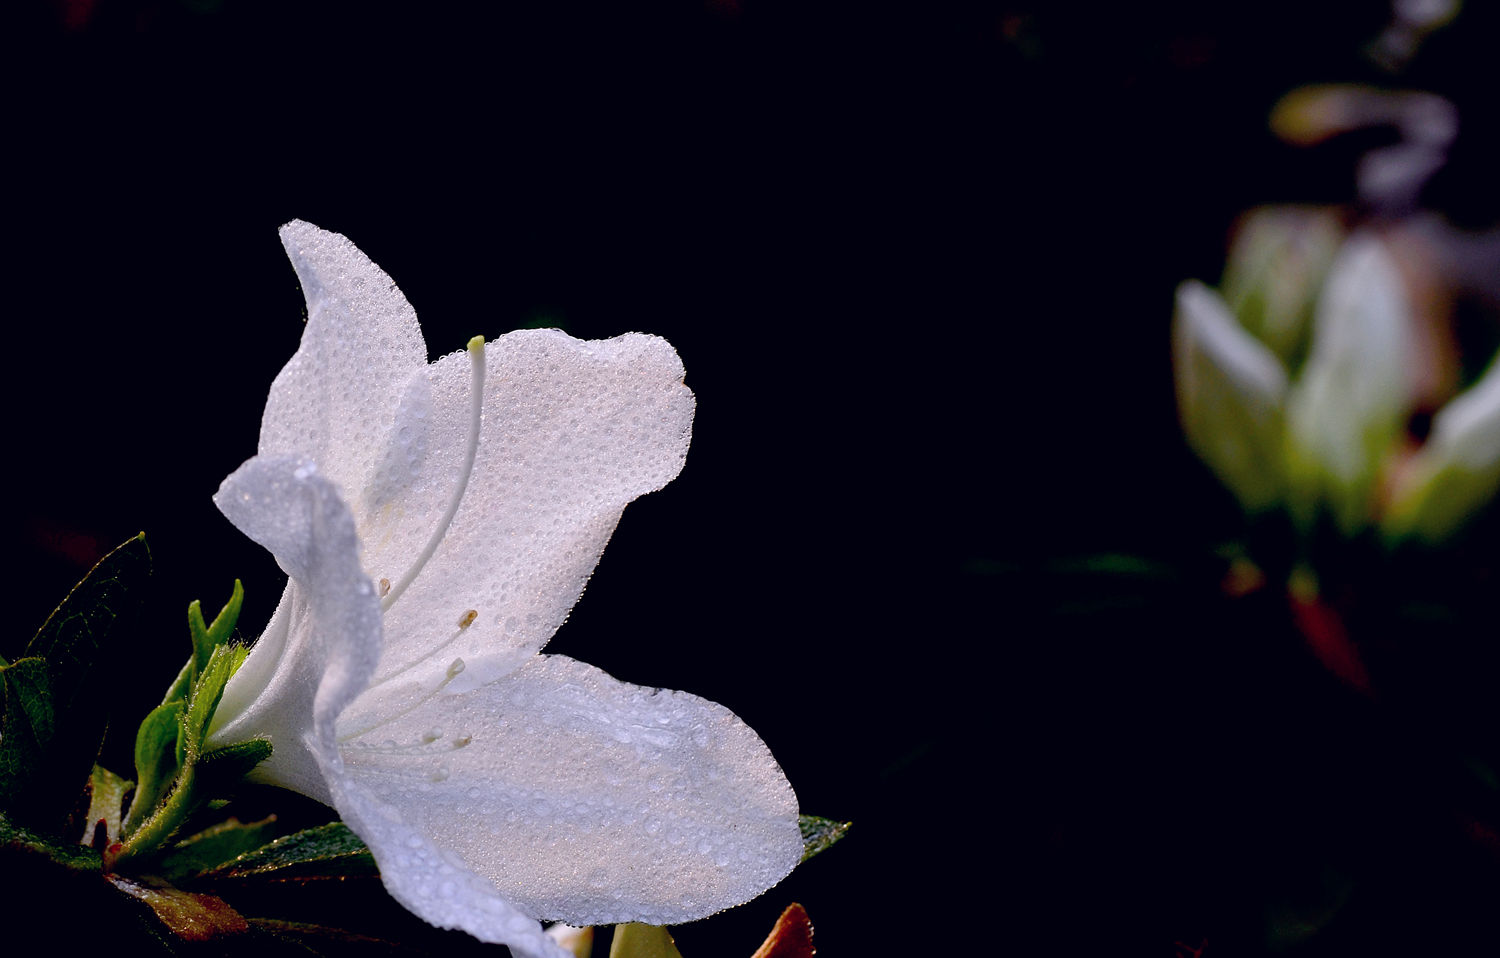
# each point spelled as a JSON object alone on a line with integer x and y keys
{"x": 430, "y": 881}
{"x": 325, "y": 636}
{"x": 1230, "y": 393}
{"x": 335, "y": 399}
{"x": 572, "y": 432}
{"x": 586, "y": 799}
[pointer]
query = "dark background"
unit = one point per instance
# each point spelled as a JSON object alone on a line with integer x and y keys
{"x": 918, "y": 260}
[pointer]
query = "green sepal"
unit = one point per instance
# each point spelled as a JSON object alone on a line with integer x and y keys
{"x": 819, "y": 833}
{"x": 107, "y": 793}
{"x": 326, "y": 851}
{"x": 198, "y": 775}
{"x": 202, "y": 702}
{"x": 28, "y": 725}
{"x": 156, "y": 760}
{"x": 635, "y": 940}
{"x": 222, "y": 769}
{"x": 76, "y": 642}
{"x": 214, "y": 847}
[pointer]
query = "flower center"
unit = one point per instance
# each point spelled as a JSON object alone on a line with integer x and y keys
{"x": 476, "y": 416}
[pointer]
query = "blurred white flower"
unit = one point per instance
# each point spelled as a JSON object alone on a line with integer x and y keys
{"x": 1327, "y": 434}
{"x": 437, "y": 523}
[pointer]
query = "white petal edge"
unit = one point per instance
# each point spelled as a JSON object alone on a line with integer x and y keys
{"x": 334, "y": 401}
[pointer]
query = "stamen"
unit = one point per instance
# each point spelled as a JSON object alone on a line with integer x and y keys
{"x": 467, "y": 619}
{"x": 454, "y": 670}
{"x": 462, "y": 624}
{"x": 476, "y": 416}
{"x": 385, "y": 587}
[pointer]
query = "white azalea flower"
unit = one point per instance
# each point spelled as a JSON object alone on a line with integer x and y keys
{"x": 437, "y": 523}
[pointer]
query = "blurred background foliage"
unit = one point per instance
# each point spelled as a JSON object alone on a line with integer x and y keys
{"x": 940, "y": 539}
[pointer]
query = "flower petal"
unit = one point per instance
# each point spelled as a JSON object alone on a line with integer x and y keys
{"x": 572, "y": 431}
{"x": 586, "y": 799}
{"x": 431, "y": 882}
{"x": 324, "y": 640}
{"x": 1354, "y": 394}
{"x": 1230, "y": 392}
{"x": 1458, "y": 469}
{"x": 334, "y": 401}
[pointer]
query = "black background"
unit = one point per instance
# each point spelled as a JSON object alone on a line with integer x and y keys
{"x": 918, "y": 260}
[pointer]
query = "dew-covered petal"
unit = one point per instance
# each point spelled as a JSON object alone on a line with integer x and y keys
{"x": 1230, "y": 392}
{"x": 586, "y": 799}
{"x": 336, "y": 398}
{"x": 572, "y": 431}
{"x": 430, "y": 881}
{"x": 324, "y": 639}
{"x": 1354, "y": 394}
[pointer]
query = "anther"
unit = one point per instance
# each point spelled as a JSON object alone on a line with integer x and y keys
{"x": 467, "y": 619}
{"x": 385, "y": 587}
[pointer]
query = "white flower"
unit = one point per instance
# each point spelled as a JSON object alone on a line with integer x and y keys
{"x": 437, "y": 523}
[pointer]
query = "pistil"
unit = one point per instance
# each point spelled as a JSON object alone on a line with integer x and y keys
{"x": 476, "y": 417}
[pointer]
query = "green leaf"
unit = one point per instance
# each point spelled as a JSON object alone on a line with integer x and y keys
{"x": 198, "y": 776}
{"x": 206, "y": 638}
{"x": 107, "y": 793}
{"x": 198, "y": 629}
{"x": 214, "y": 847}
{"x": 156, "y": 762}
{"x": 28, "y": 726}
{"x": 819, "y": 833}
{"x": 18, "y": 844}
{"x": 223, "y": 624}
{"x": 191, "y": 916}
{"x": 326, "y": 851}
{"x": 78, "y": 642}
{"x": 182, "y": 684}
{"x": 635, "y": 940}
